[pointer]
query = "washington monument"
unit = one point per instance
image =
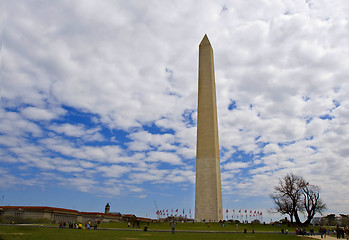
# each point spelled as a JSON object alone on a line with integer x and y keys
{"x": 208, "y": 193}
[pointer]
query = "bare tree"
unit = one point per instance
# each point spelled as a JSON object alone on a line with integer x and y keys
{"x": 283, "y": 205}
{"x": 311, "y": 202}
{"x": 294, "y": 194}
{"x": 289, "y": 192}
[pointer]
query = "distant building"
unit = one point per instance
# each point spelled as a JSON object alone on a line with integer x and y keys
{"x": 332, "y": 220}
{"x": 107, "y": 209}
{"x": 129, "y": 217}
{"x": 56, "y": 215}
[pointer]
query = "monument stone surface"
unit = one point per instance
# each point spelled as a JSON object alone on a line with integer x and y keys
{"x": 208, "y": 193}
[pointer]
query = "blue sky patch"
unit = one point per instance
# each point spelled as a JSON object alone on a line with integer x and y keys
{"x": 232, "y": 105}
{"x": 326, "y": 117}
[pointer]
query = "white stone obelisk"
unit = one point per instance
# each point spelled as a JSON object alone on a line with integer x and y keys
{"x": 208, "y": 193}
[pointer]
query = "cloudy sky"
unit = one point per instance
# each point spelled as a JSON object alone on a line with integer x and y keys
{"x": 99, "y": 98}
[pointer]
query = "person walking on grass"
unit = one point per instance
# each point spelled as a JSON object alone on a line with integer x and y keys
{"x": 173, "y": 225}
{"x": 346, "y": 231}
{"x": 338, "y": 232}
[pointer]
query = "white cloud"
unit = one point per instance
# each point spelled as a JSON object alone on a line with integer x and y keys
{"x": 235, "y": 165}
{"x": 78, "y": 131}
{"x": 142, "y": 196}
{"x": 81, "y": 183}
{"x": 166, "y": 157}
{"x": 69, "y": 129}
{"x": 143, "y": 141}
{"x": 12, "y": 181}
{"x": 115, "y": 171}
{"x": 35, "y": 113}
{"x": 12, "y": 124}
{"x": 152, "y": 175}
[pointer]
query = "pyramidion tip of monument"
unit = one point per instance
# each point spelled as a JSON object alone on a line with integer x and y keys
{"x": 205, "y": 41}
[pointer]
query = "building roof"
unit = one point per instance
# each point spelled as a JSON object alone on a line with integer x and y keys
{"x": 39, "y": 208}
{"x": 45, "y": 208}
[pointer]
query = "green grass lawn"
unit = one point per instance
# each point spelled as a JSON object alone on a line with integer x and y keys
{"x": 208, "y": 227}
{"x": 38, "y": 233}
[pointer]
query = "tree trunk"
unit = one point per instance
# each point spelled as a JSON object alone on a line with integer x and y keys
{"x": 298, "y": 221}
{"x": 307, "y": 222}
{"x": 291, "y": 217}
{"x": 309, "y": 218}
